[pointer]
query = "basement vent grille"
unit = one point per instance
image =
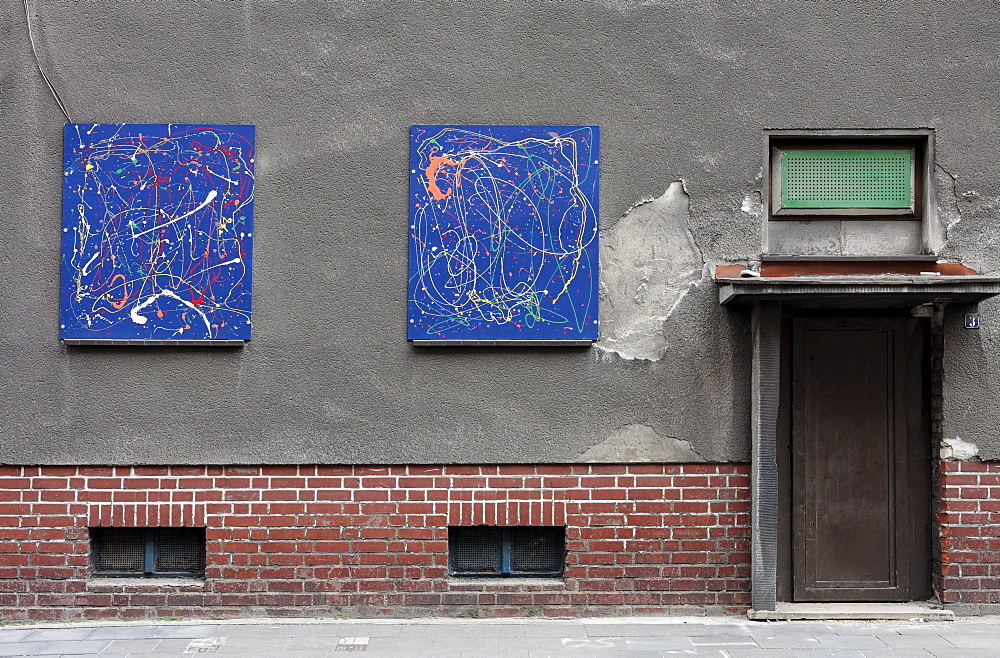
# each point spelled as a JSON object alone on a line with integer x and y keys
{"x": 150, "y": 552}
{"x": 827, "y": 179}
{"x": 122, "y": 549}
{"x": 514, "y": 551}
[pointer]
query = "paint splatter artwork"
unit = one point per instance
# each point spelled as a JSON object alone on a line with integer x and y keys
{"x": 157, "y": 232}
{"x": 503, "y": 233}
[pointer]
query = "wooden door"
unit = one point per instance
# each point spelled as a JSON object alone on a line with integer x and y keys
{"x": 854, "y": 518}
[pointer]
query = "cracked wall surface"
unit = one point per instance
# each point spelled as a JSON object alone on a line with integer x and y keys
{"x": 682, "y": 91}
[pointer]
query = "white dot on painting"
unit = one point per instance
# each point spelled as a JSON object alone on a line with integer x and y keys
{"x": 434, "y": 248}
{"x": 411, "y": 321}
{"x": 251, "y": 160}
{"x": 65, "y": 229}
{"x": 62, "y": 326}
{"x": 413, "y": 226}
{"x": 413, "y": 171}
{"x": 545, "y": 292}
{"x": 595, "y": 161}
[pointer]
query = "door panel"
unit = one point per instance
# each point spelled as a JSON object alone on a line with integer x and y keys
{"x": 849, "y": 460}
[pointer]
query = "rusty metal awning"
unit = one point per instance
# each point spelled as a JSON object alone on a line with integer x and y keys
{"x": 857, "y": 284}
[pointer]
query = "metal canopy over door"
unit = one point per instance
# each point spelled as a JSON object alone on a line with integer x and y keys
{"x": 859, "y": 508}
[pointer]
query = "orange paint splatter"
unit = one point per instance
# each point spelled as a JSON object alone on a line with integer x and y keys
{"x": 118, "y": 305}
{"x": 436, "y": 162}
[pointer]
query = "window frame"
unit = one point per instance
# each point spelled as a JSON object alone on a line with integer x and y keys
{"x": 779, "y": 211}
{"x": 925, "y": 207}
{"x": 151, "y": 548}
{"x": 917, "y": 143}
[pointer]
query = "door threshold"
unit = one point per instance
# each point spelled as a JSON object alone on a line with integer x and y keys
{"x": 858, "y": 611}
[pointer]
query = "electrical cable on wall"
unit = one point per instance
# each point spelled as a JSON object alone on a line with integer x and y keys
{"x": 38, "y": 62}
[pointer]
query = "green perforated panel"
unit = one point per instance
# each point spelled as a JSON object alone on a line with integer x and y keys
{"x": 847, "y": 179}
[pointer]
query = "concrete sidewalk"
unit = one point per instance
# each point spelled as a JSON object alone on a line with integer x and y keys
{"x": 728, "y": 637}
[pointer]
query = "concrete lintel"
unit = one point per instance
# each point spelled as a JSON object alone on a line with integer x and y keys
{"x": 967, "y": 289}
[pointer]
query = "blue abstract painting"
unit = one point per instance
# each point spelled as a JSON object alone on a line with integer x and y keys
{"x": 157, "y": 232}
{"x": 503, "y": 233}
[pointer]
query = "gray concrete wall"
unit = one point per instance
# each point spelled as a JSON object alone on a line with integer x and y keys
{"x": 681, "y": 91}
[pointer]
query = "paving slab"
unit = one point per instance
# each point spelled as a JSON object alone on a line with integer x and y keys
{"x": 184, "y": 631}
{"x": 56, "y": 634}
{"x": 786, "y": 627}
{"x": 928, "y": 641}
{"x": 757, "y": 652}
{"x": 859, "y": 629}
{"x": 73, "y": 647}
{"x": 630, "y": 653}
{"x": 142, "y": 646}
{"x": 786, "y": 641}
{"x": 562, "y": 629}
{"x": 851, "y": 642}
{"x": 120, "y": 633}
{"x": 662, "y": 643}
{"x": 8, "y": 635}
{"x": 710, "y": 641}
{"x": 20, "y": 648}
{"x": 171, "y": 646}
{"x": 960, "y": 639}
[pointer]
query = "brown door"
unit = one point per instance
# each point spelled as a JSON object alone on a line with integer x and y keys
{"x": 856, "y": 526}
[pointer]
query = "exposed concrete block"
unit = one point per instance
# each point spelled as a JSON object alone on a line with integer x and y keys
{"x": 955, "y": 449}
{"x": 648, "y": 261}
{"x": 640, "y": 443}
{"x": 820, "y": 236}
{"x": 888, "y": 237}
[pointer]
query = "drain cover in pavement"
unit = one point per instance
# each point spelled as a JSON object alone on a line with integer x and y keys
{"x": 352, "y": 644}
{"x": 205, "y": 645}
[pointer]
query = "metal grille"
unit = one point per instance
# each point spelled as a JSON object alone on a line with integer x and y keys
{"x": 536, "y": 550}
{"x": 521, "y": 551}
{"x": 476, "y": 550}
{"x": 847, "y": 179}
{"x": 148, "y": 551}
{"x": 180, "y": 550}
{"x": 118, "y": 549}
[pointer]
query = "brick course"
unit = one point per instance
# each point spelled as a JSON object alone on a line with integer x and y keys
{"x": 373, "y": 540}
{"x": 969, "y": 518}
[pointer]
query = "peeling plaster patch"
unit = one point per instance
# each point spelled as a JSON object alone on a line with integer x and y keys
{"x": 640, "y": 443}
{"x": 949, "y": 212}
{"x": 957, "y": 450}
{"x": 649, "y": 260}
{"x": 752, "y": 205}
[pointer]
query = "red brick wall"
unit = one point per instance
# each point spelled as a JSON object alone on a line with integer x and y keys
{"x": 313, "y": 540}
{"x": 969, "y": 516}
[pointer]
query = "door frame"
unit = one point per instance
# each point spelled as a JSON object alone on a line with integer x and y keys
{"x": 918, "y": 471}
